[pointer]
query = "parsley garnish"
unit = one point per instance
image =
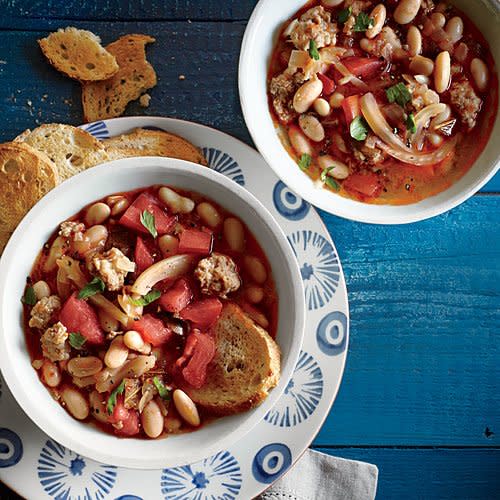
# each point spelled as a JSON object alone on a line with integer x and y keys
{"x": 29, "y": 297}
{"x": 398, "y": 93}
{"x": 313, "y": 50}
{"x": 147, "y": 299}
{"x": 112, "y": 397}
{"x": 95, "y": 286}
{"x": 304, "y": 161}
{"x": 76, "y": 340}
{"x": 329, "y": 181}
{"x": 148, "y": 221}
{"x": 163, "y": 391}
{"x": 411, "y": 126}
{"x": 345, "y": 14}
{"x": 363, "y": 22}
{"x": 359, "y": 128}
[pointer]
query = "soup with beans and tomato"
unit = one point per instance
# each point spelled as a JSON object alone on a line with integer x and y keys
{"x": 384, "y": 102}
{"x": 120, "y": 303}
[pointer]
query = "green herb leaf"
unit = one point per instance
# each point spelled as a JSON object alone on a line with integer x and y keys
{"x": 147, "y": 299}
{"x": 398, "y": 93}
{"x": 359, "y": 128}
{"x": 363, "y": 22}
{"x": 304, "y": 161}
{"x": 313, "y": 50}
{"x": 29, "y": 297}
{"x": 329, "y": 181}
{"x": 76, "y": 340}
{"x": 148, "y": 221}
{"x": 411, "y": 126}
{"x": 163, "y": 391}
{"x": 112, "y": 397}
{"x": 345, "y": 14}
{"x": 91, "y": 288}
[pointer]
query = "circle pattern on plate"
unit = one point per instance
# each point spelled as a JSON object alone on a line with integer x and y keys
{"x": 332, "y": 333}
{"x": 11, "y": 448}
{"x": 271, "y": 462}
{"x": 288, "y": 204}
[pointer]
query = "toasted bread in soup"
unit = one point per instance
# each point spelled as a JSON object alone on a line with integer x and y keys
{"x": 79, "y": 54}
{"x": 155, "y": 143}
{"x": 72, "y": 149}
{"x": 109, "y": 98}
{"x": 25, "y": 176}
{"x": 245, "y": 368}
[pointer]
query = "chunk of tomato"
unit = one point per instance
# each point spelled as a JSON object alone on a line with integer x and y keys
{"x": 198, "y": 353}
{"x": 363, "y": 67}
{"x": 366, "y": 184}
{"x": 142, "y": 256}
{"x": 328, "y": 84}
{"x": 202, "y": 313}
{"x": 177, "y": 297}
{"x": 129, "y": 419}
{"x": 153, "y": 330}
{"x": 194, "y": 241}
{"x": 145, "y": 202}
{"x": 351, "y": 108}
{"x": 79, "y": 317}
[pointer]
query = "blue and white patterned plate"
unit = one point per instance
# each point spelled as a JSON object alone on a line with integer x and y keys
{"x": 37, "y": 467}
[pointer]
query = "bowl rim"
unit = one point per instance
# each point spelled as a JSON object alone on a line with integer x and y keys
{"x": 300, "y": 183}
{"x": 20, "y": 390}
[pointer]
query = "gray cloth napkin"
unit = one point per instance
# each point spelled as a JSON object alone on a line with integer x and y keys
{"x": 317, "y": 476}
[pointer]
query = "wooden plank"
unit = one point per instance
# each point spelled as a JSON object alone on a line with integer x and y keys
{"x": 423, "y": 357}
{"x": 431, "y": 473}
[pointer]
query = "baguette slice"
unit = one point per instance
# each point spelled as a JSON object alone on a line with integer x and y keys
{"x": 141, "y": 142}
{"x": 245, "y": 368}
{"x": 72, "y": 149}
{"x": 78, "y": 54}
{"x": 25, "y": 176}
{"x": 109, "y": 98}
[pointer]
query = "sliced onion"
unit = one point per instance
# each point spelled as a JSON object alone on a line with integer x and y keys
{"x": 299, "y": 59}
{"x": 422, "y": 119}
{"x": 331, "y": 54}
{"x": 392, "y": 144}
{"x": 348, "y": 76}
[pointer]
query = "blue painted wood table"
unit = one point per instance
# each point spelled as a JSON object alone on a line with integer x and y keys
{"x": 420, "y": 395}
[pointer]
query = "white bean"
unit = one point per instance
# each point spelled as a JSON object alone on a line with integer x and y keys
{"x": 255, "y": 268}
{"x": 312, "y": 127}
{"x": 336, "y": 100}
{"x": 321, "y": 106}
{"x": 152, "y": 420}
{"x": 378, "y": 15}
{"x": 75, "y": 402}
{"x": 480, "y": 73}
{"x": 421, "y": 65}
{"x": 41, "y": 289}
{"x": 208, "y": 214}
{"x": 133, "y": 340}
{"x": 337, "y": 169}
{"x": 84, "y": 381}
{"x": 254, "y": 294}
{"x": 168, "y": 244}
{"x": 406, "y": 11}
{"x": 438, "y": 20}
{"x": 172, "y": 424}
{"x": 455, "y": 29}
{"x": 51, "y": 373}
{"x": 84, "y": 366}
{"x": 118, "y": 204}
{"x": 441, "y": 117}
{"x": 108, "y": 323}
{"x": 435, "y": 139}
{"x": 97, "y": 407}
{"x": 94, "y": 238}
{"x": 442, "y": 72}
{"x": 97, "y": 214}
{"x": 414, "y": 41}
{"x": 306, "y": 94}
{"x": 234, "y": 234}
{"x": 117, "y": 353}
{"x": 299, "y": 141}
{"x": 331, "y": 3}
{"x": 175, "y": 202}
{"x": 186, "y": 408}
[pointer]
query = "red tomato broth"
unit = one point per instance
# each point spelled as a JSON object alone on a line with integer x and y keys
{"x": 173, "y": 349}
{"x": 400, "y": 183}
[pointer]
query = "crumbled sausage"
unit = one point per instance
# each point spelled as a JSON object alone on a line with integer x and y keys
{"x": 217, "y": 275}
{"x": 369, "y": 153}
{"x": 386, "y": 44}
{"x": 282, "y": 89}
{"x": 421, "y": 95}
{"x": 465, "y": 101}
{"x": 315, "y": 24}
{"x": 73, "y": 230}
{"x": 358, "y": 6}
{"x": 112, "y": 267}
{"x": 55, "y": 344}
{"x": 44, "y": 311}
{"x": 132, "y": 393}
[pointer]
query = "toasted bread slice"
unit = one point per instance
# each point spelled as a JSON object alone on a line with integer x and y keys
{"x": 155, "y": 143}
{"x": 78, "y": 54}
{"x": 109, "y": 98}
{"x": 25, "y": 176}
{"x": 72, "y": 149}
{"x": 245, "y": 368}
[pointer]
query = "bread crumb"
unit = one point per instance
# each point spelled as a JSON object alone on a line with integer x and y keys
{"x": 182, "y": 77}
{"x": 144, "y": 100}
